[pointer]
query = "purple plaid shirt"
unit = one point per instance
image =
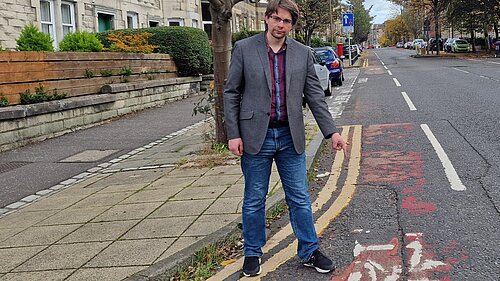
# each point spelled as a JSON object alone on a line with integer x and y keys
{"x": 278, "y": 99}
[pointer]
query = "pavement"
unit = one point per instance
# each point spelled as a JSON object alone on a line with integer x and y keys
{"x": 140, "y": 214}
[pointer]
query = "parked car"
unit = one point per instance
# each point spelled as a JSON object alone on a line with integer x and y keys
{"x": 334, "y": 64}
{"x": 460, "y": 45}
{"x": 408, "y": 45}
{"x": 399, "y": 45}
{"x": 432, "y": 46}
{"x": 447, "y": 44}
{"x": 322, "y": 72}
{"x": 418, "y": 43}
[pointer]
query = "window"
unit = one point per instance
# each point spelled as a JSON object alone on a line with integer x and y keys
{"x": 105, "y": 21}
{"x": 176, "y": 22}
{"x": 68, "y": 17}
{"x": 132, "y": 20}
{"x": 153, "y": 23}
{"x": 194, "y": 23}
{"x": 47, "y": 18}
{"x": 206, "y": 17}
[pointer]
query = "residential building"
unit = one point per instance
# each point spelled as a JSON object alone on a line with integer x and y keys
{"x": 59, "y": 17}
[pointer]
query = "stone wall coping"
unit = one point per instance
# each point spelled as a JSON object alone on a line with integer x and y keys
{"x": 133, "y": 86}
{"x": 21, "y": 111}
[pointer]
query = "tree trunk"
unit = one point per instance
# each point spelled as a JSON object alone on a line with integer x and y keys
{"x": 436, "y": 29}
{"x": 486, "y": 38}
{"x": 221, "y": 43}
{"x": 472, "y": 38}
{"x": 495, "y": 26}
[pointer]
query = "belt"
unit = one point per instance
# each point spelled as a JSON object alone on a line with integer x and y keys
{"x": 277, "y": 124}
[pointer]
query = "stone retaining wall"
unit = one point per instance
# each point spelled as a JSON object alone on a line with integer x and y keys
{"x": 23, "y": 124}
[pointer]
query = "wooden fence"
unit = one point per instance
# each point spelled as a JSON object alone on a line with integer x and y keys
{"x": 76, "y": 73}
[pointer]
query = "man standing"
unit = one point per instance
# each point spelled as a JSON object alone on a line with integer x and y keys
{"x": 268, "y": 76}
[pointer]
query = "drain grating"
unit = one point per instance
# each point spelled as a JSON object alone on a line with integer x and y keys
{"x": 5, "y": 167}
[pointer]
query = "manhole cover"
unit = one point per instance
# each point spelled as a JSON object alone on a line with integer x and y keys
{"x": 89, "y": 156}
{"x": 5, "y": 167}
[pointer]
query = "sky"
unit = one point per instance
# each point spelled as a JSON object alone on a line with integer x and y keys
{"x": 382, "y": 10}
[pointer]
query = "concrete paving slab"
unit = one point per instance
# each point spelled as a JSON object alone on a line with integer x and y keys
{"x": 105, "y": 199}
{"x": 23, "y": 218}
{"x": 205, "y": 192}
{"x": 225, "y": 206}
{"x": 13, "y": 257}
{"x": 55, "y": 202}
{"x": 182, "y": 208}
{"x": 74, "y": 215}
{"x": 235, "y": 190}
{"x": 207, "y": 224}
{"x": 123, "y": 187}
{"x": 128, "y": 212}
{"x": 152, "y": 195}
{"x": 52, "y": 275}
{"x": 188, "y": 172}
{"x": 172, "y": 182}
{"x": 40, "y": 235}
{"x": 90, "y": 180}
{"x": 180, "y": 244}
{"x": 131, "y": 253}
{"x": 104, "y": 274}
{"x": 161, "y": 227}
{"x": 6, "y": 233}
{"x": 225, "y": 170}
{"x": 99, "y": 231}
{"x": 217, "y": 180}
{"x": 67, "y": 256}
{"x": 130, "y": 177}
{"x": 131, "y": 163}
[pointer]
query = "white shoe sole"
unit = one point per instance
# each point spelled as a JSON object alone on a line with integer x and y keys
{"x": 318, "y": 269}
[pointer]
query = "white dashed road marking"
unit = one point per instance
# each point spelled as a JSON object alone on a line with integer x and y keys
{"x": 397, "y": 82}
{"x": 408, "y": 101}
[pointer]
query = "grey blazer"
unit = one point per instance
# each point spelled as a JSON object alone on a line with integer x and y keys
{"x": 247, "y": 93}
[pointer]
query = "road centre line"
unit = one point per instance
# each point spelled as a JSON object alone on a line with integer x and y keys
{"x": 382, "y": 62}
{"x": 397, "y": 82}
{"x": 323, "y": 197}
{"x": 408, "y": 101}
{"x": 385, "y": 67}
{"x": 456, "y": 183}
{"x": 464, "y": 71}
{"x": 390, "y": 73}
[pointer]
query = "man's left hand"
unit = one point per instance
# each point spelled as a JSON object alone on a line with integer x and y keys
{"x": 338, "y": 143}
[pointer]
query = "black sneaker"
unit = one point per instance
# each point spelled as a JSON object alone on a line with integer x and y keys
{"x": 251, "y": 266}
{"x": 319, "y": 261}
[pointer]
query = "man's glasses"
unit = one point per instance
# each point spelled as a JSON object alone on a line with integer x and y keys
{"x": 277, "y": 19}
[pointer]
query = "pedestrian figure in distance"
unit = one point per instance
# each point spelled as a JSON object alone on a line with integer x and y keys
{"x": 268, "y": 76}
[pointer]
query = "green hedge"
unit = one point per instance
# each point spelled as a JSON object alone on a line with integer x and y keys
{"x": 80, "y": 41}
{"x": 188, "y": 46}
{"x": 243, "y": 34}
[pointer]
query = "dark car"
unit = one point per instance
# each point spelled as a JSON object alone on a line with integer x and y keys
{"x": 433, "y": 44}
{"x": 333, "y": 62}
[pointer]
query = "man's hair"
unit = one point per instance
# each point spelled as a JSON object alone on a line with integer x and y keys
{"x": 289, "y": 5}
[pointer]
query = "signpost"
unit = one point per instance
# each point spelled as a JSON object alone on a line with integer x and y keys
{"x": 348, "y": 27}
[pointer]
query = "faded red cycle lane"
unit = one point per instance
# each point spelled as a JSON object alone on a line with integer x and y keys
{"x": 405, "y": 222}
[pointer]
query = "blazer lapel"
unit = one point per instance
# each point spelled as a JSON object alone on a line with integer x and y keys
{"x": 264, "y": 59}
{"x": 290, "y": 54}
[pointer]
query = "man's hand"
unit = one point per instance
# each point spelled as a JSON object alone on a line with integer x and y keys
{"x": 236, "y": 146}
{"x": 338, "y": 143}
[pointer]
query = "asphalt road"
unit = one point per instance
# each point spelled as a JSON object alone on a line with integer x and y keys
{"x": 45, "y": 164}
{"x": 426, "y": 204}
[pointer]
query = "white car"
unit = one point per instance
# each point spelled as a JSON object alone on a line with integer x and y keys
{"x": 323, "y": 73}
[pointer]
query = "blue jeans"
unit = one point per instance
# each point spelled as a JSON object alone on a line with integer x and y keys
{"x": 278, "y": 145}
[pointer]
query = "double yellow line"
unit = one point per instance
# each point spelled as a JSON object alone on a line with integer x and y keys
{"x": 323, "y": 221}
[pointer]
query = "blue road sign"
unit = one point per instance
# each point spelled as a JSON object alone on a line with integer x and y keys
{"x": 348, "y": 23}
{"x": 347, "y": 19}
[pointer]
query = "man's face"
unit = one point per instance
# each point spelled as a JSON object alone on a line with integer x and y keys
{"x": 279, "y": 24}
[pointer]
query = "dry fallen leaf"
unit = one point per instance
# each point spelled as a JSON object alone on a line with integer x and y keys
{"x": 227, "y": 262}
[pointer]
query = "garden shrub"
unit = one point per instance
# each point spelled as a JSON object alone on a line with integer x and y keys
{"x": 188, "y": 46}
{"x": 317, "y": 42}
{"x": 3, "y": 101}
{"x": 32, "y": 39}
{"x": 130, "y": 43}
{"x": 80, "y": 41}
{"x": 40, "y": 95}
{"x": 243, "y": 34}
